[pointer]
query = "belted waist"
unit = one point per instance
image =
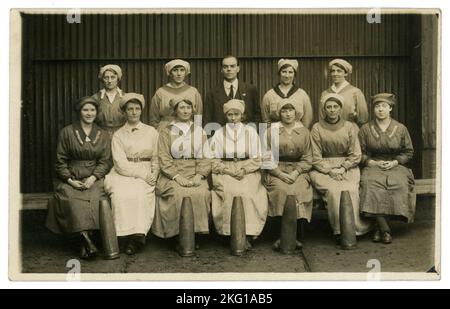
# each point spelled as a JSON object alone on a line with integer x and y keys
{"x": 235, "y": 159}
{"x": 135, "y": 160}
{"x": 289, "y": 159}
{"x": 185, "y": 159}
{"x": 85, "y": 163}
{"x": 334, "y": 156}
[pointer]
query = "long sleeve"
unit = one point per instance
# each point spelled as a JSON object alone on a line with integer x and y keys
{"x": 362, "y": 112}
{"x": 154, "y": 117}
{"x": 265, "y": 106}
{"x": 365, "y": 154}
{"x": 104, "y": 161}
{"x": 199, "y": 103}
{"x": 121, "y": 163}
{"x": 305, "y": 163}
{"x": 62, "y": 156}
{"x": 155, "y": 159}
{"x": 203, "y": 164}
{"x": 354, "y": 150}
{"x": 307, "y": 112}
{"x": 268, "y": 153}
{"x": 254, "y": 163}
{"x": 316, "y": 147}
{"x": 167, "y": 165}
{"x": 217, "y": 150}
{"x": 407, "y": 150}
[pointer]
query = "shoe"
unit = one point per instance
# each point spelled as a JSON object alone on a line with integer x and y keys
{"x": 131, "y": 248}
{"x": 84, "y": 255}
{"x": 386, "y": 238}
{"x": 376, "y": 236}
{"x": 276, "y": 245}
{"x": 337, "y": 239}
{"x": 88, "y": 244}
{"x": 299, "y": 244}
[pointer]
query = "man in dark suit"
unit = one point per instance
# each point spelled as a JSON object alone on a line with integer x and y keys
{"x": 231, "y": 88}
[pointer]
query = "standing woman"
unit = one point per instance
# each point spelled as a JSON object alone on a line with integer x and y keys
{"x": 286, "y": 89}
{"x": 110, "y": 116}
{"x": 354, "y": 107}
{"x": 161, "y": 113}
{"x": 185, "y": 163}
{"x": 236, "y": 172}
{"x": 291, "y": 176}
{"x": 336, "y": 155}
{"x": 82, "y": 160}
{"x": 387, "y": 186}
{"x": 131, "y": 183}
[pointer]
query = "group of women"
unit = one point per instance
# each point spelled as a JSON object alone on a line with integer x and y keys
{"x": 145, "y": 171}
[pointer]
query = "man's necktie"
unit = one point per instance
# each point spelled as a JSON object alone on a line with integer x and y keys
{"x": 231, "y": 95}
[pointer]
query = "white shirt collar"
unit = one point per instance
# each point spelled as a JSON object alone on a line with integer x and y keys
{"x": 183, "y": 126}
{"x": 129, "y": 128}
{"x": 342, "y": 86}
{"x": 103, "y": 92}
{"x": 227, "y": 84}
{"x": 279, "y": 124}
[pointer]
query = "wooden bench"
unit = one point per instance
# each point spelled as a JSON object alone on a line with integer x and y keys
{"x": 40, "y": 200}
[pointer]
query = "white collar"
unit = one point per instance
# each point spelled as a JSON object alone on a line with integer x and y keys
{"x": 170, "y": 85}
{"x": 227, "y": 84}
{"x": 342, "y": 86}
{"x": 129, "y": 128}
{"x": 103, "y": 92}
{"x": 278, "y": 125}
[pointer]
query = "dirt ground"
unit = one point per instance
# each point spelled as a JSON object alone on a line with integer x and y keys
{"x": 411, "y": 251}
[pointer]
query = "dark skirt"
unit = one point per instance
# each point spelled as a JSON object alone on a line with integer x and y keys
{"x": 71, "y": 210}
{"x": 389, "y": 193}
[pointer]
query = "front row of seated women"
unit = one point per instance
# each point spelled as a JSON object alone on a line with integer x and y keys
{"x": 152, "y": 172}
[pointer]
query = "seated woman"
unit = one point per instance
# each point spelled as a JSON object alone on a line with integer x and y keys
{"x": 287, "y": 89}
{"x": 387, "y": 186}
{"x": 82, "y": 160}
{"x": 185, "y": 164}
{"x": 291, "y": 175}
{"x": 336, "y": 155}
{"x": 131, "y": 183}
{"x": 236, "y": 172}
{"x": 160, "y": 112}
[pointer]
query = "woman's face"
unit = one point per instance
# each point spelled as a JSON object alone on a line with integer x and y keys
{"x": 234, "y": 116}
{"x": 337, "y": 74}
{"x": 382, "y": 110}
{"x": 88, "y": 113}
{"x": 177, "y": 75}
{"x": 110, "y": 80}
{"x": 184, "y": 111}
{"x": 287, "y": 75}
{"x": 332, "y": 110}
{"x": 133, "y": 111}
{"x": 287, "y": 115}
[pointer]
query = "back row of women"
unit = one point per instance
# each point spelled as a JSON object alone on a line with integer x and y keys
{"x": 146, "y": 170}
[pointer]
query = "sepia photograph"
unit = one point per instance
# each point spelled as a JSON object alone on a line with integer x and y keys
{"x": 225, "y": 144}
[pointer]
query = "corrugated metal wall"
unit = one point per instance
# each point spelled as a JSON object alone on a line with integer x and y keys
{"x": 61, "y": 62}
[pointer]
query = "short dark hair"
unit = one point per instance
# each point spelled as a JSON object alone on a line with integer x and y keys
{"x": 135, "y": 101}
{"x": 284, "y": 66}
{"x": 231, "y": 56}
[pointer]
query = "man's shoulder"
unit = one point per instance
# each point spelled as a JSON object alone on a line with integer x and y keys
{"x": 247, "y": 86}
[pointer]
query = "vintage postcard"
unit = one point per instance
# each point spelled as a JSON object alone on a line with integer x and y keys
{"x": 225, "y": 144}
